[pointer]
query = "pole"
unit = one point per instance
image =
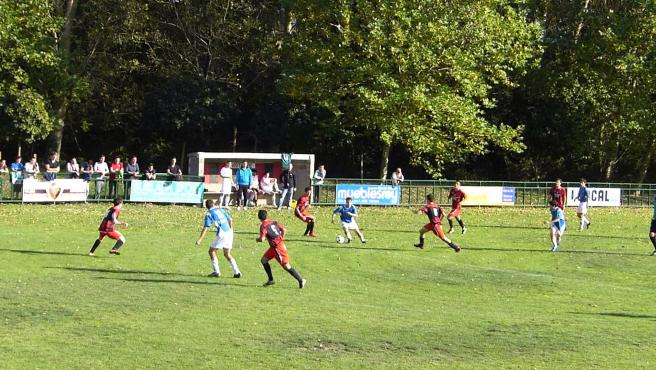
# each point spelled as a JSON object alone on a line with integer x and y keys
{"x": 361, "y": 167}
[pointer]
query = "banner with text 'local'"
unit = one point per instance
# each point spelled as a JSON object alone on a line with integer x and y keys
{"x": 597, "y": 197}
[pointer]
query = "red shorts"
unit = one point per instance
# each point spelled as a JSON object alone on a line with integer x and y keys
{"x": 455, "y": 212}
{"x": 435, "y": 228}
{"x": 111, "y": 234}
{"x": 305, "y": 217}
{"x": 278, "y": 253}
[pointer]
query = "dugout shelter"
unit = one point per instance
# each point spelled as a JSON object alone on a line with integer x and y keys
{"x": 208, "y": 164}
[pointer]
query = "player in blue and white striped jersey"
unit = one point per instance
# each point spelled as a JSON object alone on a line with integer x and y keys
{"x": 220, "y": 219}
{"x": 558, "y": 225}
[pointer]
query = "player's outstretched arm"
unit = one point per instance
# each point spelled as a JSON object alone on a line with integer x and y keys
{"x": 202, "y": 235}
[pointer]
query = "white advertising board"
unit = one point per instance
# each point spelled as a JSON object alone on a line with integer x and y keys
{"x": 597, "y": 197}
{"x": 65, "y": 190}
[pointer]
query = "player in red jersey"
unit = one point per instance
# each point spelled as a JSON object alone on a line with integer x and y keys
{"x": 558, "y": 194}
{"x": 274, "y": 233}
{"x": 108, "y": 228}
{"x": 457, "y": 196}
{"x": 303, "y": 213}
{"x": 435, "y": 214}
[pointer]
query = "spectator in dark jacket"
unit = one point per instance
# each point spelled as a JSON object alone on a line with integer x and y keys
{"x": 288, "y": 185}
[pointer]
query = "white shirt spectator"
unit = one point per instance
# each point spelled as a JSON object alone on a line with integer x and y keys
{"x": 102, "y": 169}
{"x": 397, "y": 177}
{"x": 319, "y": 175}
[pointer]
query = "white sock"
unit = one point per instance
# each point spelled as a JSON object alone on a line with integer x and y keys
{"x": 348, "y": 235}
{"x": 235, "y": 268}
{"x": 215, "y": 265}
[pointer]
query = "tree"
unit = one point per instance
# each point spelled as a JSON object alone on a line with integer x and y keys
{"x": 416, "y": 72}
{"x": 27, "y": 59}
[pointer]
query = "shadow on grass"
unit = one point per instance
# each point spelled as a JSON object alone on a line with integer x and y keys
{"x": 547, "y": 250}
{"x": 119, "y": 271}
{"x": 172, "y": 281}
{"x": 27, "y": 251}
{"x": 617, "y": 314}
{"x": 306, "y": 240}
{"x": 345, "y": 247}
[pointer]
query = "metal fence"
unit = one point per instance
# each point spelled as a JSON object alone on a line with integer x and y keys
{"x": 527, "y": 193}
{"x": 413, "y": 192}
{"x": 99, "y": 190}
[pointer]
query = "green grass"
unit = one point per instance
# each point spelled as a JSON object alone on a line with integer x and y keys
{"x": 504, "y": 302}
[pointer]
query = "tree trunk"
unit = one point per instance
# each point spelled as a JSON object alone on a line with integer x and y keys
{"x": 234, "y": 139}
{"x": 612, "y": 162}
{"x": 64, "y": 47}
{"x": 384, "y": 159}
{"x": 577, "y": 34}
{"x": 644, "y": 166}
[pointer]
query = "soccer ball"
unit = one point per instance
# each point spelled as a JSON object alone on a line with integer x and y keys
{"x": 340, "y": 239}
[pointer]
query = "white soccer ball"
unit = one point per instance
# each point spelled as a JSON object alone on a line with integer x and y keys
{"x": 340, "y": 239}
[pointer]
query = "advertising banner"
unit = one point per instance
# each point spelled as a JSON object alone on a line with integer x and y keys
{"x": 362, "y": 194}
{"x": 65, "y": 190}
{"x": 597, "y": 197}
{"x": 167, "y": 191}
{"x": 489, "y": 195}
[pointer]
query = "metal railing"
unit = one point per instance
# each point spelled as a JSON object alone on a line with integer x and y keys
{"x": 412, "y": 192}
{"x": 100, "y": 190}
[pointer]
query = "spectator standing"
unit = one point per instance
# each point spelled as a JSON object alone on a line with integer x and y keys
{"x": 226, "y": 185}
{"x": 17, "y": 169}
{"x": 115, "y": 174}
{"x": 244, "y": 179}
{"x": 558, "y": 194}
{"x": 132, "y": 170}
{"x": 52, "y": 167}
{"x": 73, "y": 168}
{"x": 318, "y": 179}
{"x": 150, "y": 173}
{"x": 397, "y": 177}
{"x": 288, "y": 183}
{"x": 101, "y": 169}
{"x": 87, "y": 170}
{"x": 31, "y": 168}
{"x": 174, "y": 171}
{"x": 3, "y": 166}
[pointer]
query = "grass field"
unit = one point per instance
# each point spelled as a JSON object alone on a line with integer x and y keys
{"x": 506, "y": 301}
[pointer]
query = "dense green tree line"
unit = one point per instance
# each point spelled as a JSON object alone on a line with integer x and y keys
{"x": 497, "y": 89}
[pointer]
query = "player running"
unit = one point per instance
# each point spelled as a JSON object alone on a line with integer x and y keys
{"x": 224, "y": 237}
{"x": 435, "y": 215}
{"x": 652, "y": 228}
{"x": 582, "y": 210}
{"x": 347, "y": 214}
{"x": 108, "y": 228}
{"x": 558, "y": 225}
{"x": 274, "y": 233}
{"x": 457, "y": 196}
{"x": 303, "y": 214}
{"x": 559, "y": 194}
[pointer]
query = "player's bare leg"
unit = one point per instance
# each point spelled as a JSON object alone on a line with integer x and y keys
{"x": 555, "y": 240}
{"x": 214, "y": 261}
{"x": 309, "y": 228}
{"x": 360, "y": 235}
{"x": 347, "y": 232}
{"x": 585, "y": 222}
{"x": 233, "y": 263}
{"x": 652, "y": 237}
{"x": 450, "y": 219}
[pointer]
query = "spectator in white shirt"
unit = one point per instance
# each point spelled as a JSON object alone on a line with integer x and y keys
{"x": 73, "y": 168}
{"x": 31, "y": 168}
{"x": 101, "y": 169}
{"x": 226, "y": 185}
{"x": 397, "y": 177}
{"x": 318, "y": 178}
